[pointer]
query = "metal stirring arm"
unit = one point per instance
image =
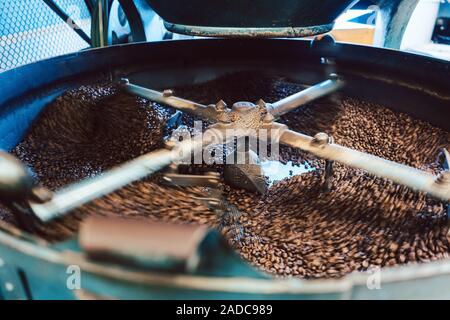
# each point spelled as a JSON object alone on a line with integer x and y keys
{"x": 310, "y": 94}
{"x": 237, "y": 118}
{"x": 78, "y": 194}
{"x": 215, "y": 112}
{"x": 437, "y": 186}
{"x": 15, "y": 182}
{"x": 13, "y": 188}
{"x": 167, "y": 98}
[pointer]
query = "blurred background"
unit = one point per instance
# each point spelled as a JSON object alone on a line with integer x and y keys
{"x": 33, "y": 30}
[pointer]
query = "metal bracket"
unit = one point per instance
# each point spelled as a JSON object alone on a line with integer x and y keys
{"x": 210, "y": 179}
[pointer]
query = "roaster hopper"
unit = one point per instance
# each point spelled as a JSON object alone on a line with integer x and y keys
{"x": 199, "y": 264}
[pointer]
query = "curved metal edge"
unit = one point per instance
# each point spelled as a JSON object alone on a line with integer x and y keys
{"x": 394, "y": 18}
{"x": 245, "y": 285}
{"x": 234, "y": 32}
{"x": 201, "y": 283}
{"x": 138, "y": 12}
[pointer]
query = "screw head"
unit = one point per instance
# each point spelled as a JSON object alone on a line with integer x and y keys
{"x": 321, "y": 138}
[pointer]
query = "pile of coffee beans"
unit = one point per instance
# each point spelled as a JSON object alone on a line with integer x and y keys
{"x": 297, "y": 228}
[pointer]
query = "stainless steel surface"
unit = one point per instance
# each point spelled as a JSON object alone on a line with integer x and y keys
{"x": 408, "y": 176}
{"x": 315, "y": 92}
{"x": 81, "y": 193}
{"x": 193, "y": 108}
{"x": 211, "y": 179}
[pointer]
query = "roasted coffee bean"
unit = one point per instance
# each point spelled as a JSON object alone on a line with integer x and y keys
{"x": 296, "y": 229}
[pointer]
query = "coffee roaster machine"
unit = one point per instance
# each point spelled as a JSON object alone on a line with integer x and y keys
{"x": 195, "y": 262}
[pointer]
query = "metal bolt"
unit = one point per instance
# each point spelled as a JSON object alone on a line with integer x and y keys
{"x": 124, "y": 82}
{"x": 167, "y": 93}
{"x": 321, "y": 139}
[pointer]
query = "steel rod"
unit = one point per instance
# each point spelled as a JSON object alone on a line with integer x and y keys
{"x": 83, "y": 192}
{"x": 66, "y": 18}
{"x": 90, "y": 6}
{"x": 190, "y": 107}
{"x": 317, "y": 91}
{"x": 398, "y": 173}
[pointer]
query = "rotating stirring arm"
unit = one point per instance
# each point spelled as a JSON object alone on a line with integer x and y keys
{"x": 166, "y": 98}
{"x": 437, "y": 186}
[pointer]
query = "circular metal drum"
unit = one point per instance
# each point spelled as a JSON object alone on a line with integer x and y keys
{"x": 376, "y": 75}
